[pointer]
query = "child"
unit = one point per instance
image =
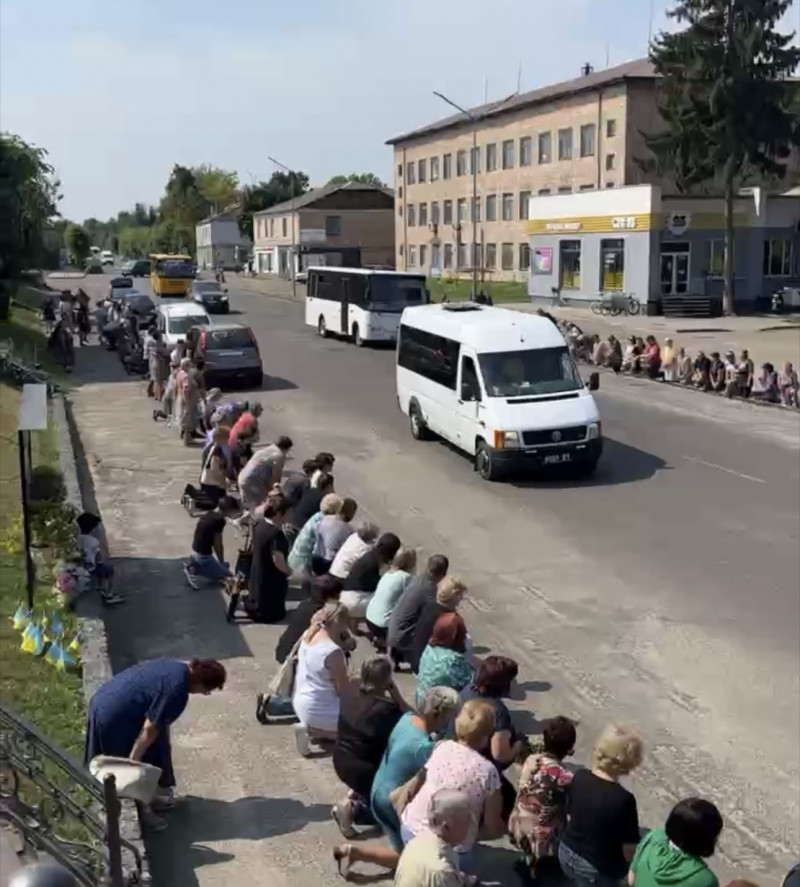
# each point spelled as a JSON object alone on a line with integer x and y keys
{"x": 101, "y": 572}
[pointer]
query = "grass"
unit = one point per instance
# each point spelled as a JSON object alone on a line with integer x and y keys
{"x": 460, "y": 288}
{"x": 50, "y": 699}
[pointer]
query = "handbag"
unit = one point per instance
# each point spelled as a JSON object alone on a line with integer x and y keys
{"x": 404, "y": 794}
{"x": 283, "y": 682}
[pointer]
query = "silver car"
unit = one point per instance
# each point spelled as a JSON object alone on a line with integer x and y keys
{"x": 231, "y": 354}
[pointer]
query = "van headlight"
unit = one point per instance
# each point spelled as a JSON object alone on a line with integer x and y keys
{"x": 506, "y": 440}
{"x": 595, "y": 431}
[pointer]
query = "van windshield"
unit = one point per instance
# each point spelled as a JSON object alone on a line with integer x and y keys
{"x": 393, "y": 294}
{"x": 528, "y": 373}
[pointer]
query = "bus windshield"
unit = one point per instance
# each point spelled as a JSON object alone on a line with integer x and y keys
{"x": 529, "y": 373}
{"x": 174, "y": 268}
{"x": 394, "y": 293}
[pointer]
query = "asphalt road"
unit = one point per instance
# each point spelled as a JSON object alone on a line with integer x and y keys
{"x": 664, "y": 593}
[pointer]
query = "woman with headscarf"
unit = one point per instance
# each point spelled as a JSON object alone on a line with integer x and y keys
{"x": 187, "y": 400}
{"x": 155, "y": 353}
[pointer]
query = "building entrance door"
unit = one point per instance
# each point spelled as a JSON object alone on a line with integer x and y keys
{"x": 674, "y": 269}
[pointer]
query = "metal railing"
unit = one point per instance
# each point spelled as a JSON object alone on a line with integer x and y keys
{"x": 53, "y": 805}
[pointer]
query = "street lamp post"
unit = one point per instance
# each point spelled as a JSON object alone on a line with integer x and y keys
{"x": 291, "y": 209}
{"x": 474, "y": 208}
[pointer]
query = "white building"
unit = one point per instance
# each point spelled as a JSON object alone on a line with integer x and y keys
{"x": 219, "y": 241}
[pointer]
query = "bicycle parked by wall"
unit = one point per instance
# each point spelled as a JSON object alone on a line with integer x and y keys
{"x": 614, "y": 304}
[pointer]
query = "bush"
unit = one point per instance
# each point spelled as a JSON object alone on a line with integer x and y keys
{"x": 46, "y": 485}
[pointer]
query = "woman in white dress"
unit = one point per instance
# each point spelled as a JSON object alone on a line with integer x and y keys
{"x": 321, "y": 676}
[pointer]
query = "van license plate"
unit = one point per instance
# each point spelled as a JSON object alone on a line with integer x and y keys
{"x": 557, "y": 458}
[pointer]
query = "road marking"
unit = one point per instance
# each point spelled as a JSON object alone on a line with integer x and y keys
{"x": 758, "y": 480}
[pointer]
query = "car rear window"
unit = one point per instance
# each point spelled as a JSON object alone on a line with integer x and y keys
{"x": 223, "y": 340}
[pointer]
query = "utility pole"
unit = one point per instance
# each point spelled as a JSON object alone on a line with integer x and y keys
{"x": 474, "y": 208}
{"x": 291, "y": 210}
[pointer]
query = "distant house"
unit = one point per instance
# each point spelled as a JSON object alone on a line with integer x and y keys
{"x": 219, "y": 241}
{"x": 349, "y": 224}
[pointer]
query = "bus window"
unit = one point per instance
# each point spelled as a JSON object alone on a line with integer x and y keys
{"x": 391, "y": 293}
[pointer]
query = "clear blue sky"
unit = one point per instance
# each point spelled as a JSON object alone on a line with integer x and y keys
{"x": 118, "y": 92}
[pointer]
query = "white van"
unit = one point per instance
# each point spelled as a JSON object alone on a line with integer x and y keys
{"x": 498, "y": 384}
{"x": 175, "y": 320}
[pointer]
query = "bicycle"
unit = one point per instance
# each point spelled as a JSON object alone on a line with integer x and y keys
{"x": 614, "y": 304}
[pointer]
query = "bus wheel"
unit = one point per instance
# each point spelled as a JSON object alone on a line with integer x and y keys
{"x": 322, "y": 327}
{"x": 357, "y": 340}
{"x": 419, "y": 430}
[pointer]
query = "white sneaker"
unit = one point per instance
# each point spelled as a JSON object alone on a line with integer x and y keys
{"x": 302, "y": 741}
{"x": 191, "y": 577}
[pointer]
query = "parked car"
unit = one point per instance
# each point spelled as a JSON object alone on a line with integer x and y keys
{"x": 107, "y": 257}
{"x": 94, "y": 265}
{"x": 176, "y": 319}
{"x": 210, "y": 295}
{"x": 118, "y": 285}
{"x": 141, "y": 304}
{"x": 136, "y": 268}
{"x": 231, "y": 353}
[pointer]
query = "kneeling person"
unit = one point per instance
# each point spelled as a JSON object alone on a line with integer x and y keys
{"x": 207, "y": 560}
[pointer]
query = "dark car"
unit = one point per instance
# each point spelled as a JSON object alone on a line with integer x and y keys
{"x": 140, "y": 303}
{"x": 210, "y": 295}
{"x": 231, "y": 353}
{"x": 136, "y": 268}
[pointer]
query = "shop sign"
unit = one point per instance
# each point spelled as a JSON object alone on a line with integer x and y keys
{"x": 678, "y": 223}
{"x": 543, "y": 260}
{"x": 623, "y": 223}
{"x": 563, "y": 226}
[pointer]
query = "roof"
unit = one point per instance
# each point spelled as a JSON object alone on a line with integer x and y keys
{"x": 181, "y": 309}
{"x": 344, "y": 269}
{"x": 229, "y": 214}
{"x": 316, "y": 194}
{"x": 641, "y": 69}
{"x": 485, "y": 328}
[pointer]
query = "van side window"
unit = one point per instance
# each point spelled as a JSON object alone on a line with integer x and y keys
{"x": 434, "y": 357}
{"x": 329, "y": 286}
{"x": 470, "y": 386}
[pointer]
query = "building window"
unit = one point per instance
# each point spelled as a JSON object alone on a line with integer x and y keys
{"x": 462, "y": 210}
{"x": 448, "y": 255}
{"x": 543, "y": 192}
{"x": 435, "y": 212}
{"x": 508, "y": 154}
{"x": 448, "y": 212}
{"x": 586, "y": 188}
{"x": 477, "y": 255}
{"x": 612, "y": 264}
{"x": 475, "y": 160}
{"x": 272, "y": 227}
{"x": 587, "y": 140}
{"x": 507, "y": 257}
{"x": 462, "y": 255}
{"x": 400, "y": 210}
{"x": 716, "y": 258}
{"x": 491, "y": 157}
{"x": 565, "y": 144}
{"x": 436, "y": 256}
{"x": 545, "y": 147}
{"x": 423, "y": 215}
{"x": 524, "y": 257}
{"x": 447, "y": 166}
{"x": 491, "y": 208}
{"x": 508, "y": 207}
{"x": 400, "y": 192}
{"x": 524, "y": 205}
{"x": 610, "y": 161}
{"x": 491, "y": 255}
{"x": 461, "y": 163}
{"x": 434, "y": 169}
{"x": 422, "y": 171}
{"x": 569, "y": 252}
{"x": 565, "y": 189}
{"x": 401, "y": 250}
{"x": 400, "y": 172}
{"x": 412, "y": 256}
{"x": 283, "y": 227}
{"x": 525, "y": 151}
{"x": 611, "y": 128}
{"x": 777, "y": 258}
{"x": 609, "y": 184}
{"x": 411, "y": 215}
{"x": 476, "y": 209}
{"x": 422, "y": 256}
{"x": 333, "y": 226}
{"x": 410, "y": 176}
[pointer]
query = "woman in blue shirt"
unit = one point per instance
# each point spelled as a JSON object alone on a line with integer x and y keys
{"x": 130, "y": 715}
{"x": 390, "y": 588}
{"x": 444, "y": 662}
{"x": 410, "y": 745}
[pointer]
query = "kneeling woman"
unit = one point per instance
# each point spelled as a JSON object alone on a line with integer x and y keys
{"x": 130, "y": 715}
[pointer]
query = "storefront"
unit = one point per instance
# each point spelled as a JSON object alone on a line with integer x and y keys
{"x": 636, "y": 241}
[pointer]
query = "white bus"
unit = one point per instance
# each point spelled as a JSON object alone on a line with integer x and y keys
{"x": 360, "y": 303}
{"x": 499, "y": 385}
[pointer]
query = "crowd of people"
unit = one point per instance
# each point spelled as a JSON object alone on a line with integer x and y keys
{"x": 726, "y": 374}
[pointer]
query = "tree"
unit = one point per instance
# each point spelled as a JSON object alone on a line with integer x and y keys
{"x": 77, "y": 242}
{"x": 365, "y": 178}
{"x": 727, "y": 100}
{"x": 281, "y": 187}
{"x": 217, "y": 187}
{"x": 29, "y": 194}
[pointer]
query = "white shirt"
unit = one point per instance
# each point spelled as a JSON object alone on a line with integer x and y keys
{"x": 352, "y": 549}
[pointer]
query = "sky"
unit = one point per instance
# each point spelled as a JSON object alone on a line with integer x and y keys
{"x": 119, "y": 92}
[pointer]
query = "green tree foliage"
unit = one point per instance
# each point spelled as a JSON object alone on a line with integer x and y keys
{"x": 282, "y": 186}
{"x": 77, "y": 242}
{"x": 729, "y": 106}
{"x": 365, "y": 178}
{"x": 219, "y": 188}
{"x": 29, "y": 194}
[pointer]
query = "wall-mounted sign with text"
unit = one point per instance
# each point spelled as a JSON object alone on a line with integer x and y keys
{"x": 542, "y": 260}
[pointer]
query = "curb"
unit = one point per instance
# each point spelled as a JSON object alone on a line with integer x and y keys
{"x": 94, "y": 654}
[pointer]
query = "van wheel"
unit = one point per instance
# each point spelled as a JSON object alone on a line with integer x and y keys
{"x": 357, "y": 340}
{"x": 419, "y": 430}
{"x": 485, "y": 464}
{"x": 322, "y": 327}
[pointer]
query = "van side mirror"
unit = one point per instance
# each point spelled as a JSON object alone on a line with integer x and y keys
{"x": 594, "y": 381}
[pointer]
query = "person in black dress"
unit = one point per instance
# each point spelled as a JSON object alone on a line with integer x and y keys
{"x": 369, "y": 712}
{"x": 269, "y": 573}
